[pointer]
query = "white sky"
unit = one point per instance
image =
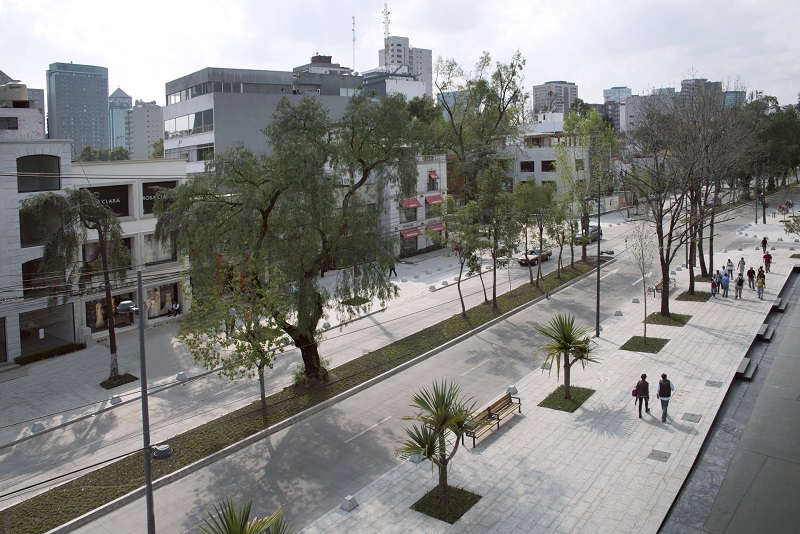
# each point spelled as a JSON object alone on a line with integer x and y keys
{"x": 641, "y": 44}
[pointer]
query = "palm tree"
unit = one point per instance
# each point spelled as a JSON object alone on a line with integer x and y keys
{"x": 230, "y": 519}
{"x": 566, "y": 340}
{"x": 70, "y": 216}
{"x": 443, "y": 416}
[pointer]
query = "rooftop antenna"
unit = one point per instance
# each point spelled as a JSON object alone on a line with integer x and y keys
{"x": 386, "y": 35}
{"x": 354, "y": 36}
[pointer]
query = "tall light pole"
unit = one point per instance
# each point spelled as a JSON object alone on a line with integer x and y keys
{"x": 597, "y": 317}
{"x": 162, "y": 451}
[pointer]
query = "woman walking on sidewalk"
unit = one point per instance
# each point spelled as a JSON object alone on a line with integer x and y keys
{"x": 761, "y": 282}
{"x": 643, "y": 394}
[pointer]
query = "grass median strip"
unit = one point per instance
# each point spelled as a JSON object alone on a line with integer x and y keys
{"x": 60, "y": 505}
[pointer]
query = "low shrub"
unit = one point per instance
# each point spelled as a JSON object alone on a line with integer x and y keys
{"x": 45, "y": 354}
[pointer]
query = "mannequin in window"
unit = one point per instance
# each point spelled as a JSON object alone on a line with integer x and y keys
{"x": 154, "y": 303}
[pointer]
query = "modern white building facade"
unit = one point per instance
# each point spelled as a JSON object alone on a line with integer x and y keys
{"x": 412, "y": 219}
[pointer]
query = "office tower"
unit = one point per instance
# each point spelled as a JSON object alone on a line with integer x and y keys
{"x": 77, "y": 104}
{"x": 144, "y": 125}
{"x": 418, "y": 61}
{"x": 118, "y": 105}
{"x": 555, "y": 97}
{"x": 613, "y": 98}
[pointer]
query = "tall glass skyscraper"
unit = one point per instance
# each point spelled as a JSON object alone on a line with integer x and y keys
{"x": 77, "y": 105}
{"x": 118, "y": 105}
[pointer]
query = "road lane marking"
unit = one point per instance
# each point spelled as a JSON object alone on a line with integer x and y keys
{"x": 368, "y": 429}
{"x": 465, "y": 372}
{"x": 609, "y": 273}
{"x": 640, "y": 279}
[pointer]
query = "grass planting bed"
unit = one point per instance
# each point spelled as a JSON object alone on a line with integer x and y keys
{"x": 642, "y": 344}
{"x": 556, "y": 400}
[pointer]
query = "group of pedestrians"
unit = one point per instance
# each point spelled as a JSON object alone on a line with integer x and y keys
{"x": 724, "y": 277}
{"x": 664, "y": 392}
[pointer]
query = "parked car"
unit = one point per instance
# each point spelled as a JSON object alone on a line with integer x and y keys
{"x": 594, "y": 233}
{"x": 534, "y": 256}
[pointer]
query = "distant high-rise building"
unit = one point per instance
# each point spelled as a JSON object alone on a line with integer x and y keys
{"x": 118, "y": 105}
{"x": 144, "y": 125}
{"x": 77, "y": 104}
{"x": 734, "y": 99}
{"x": 418, "y": 60}
{"x": 612, "y": 98}
{"x": 616, "y": 94}
{"x": 554, "y": 97}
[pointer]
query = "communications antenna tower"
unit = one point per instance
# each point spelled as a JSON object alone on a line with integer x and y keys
{"x": 386, "y": 35}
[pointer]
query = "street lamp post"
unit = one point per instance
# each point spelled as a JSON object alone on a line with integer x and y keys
{"x": 162, "y": 451}
{"x": 588, "y": 236}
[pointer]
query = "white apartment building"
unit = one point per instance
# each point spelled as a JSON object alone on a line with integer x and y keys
{"x": 144, "y": 125}
{"x": 418, "y": 60}
{"x": 411, "y": 218}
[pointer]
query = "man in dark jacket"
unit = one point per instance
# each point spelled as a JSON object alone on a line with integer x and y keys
{"x": 664, "y": 392}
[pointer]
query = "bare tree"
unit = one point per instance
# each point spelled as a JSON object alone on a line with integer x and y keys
{"x": 641, "y": 250}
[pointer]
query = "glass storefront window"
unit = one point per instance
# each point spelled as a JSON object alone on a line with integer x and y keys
{"x": 45, "y": 328}
{"x": 150, "y": 194}
{"x": 159, "y": 299}
{"x": 97, "y": 316}
{"x": 115, "y": 197}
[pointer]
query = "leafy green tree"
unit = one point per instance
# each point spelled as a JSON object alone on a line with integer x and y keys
{"x": 568, "y": 345}
{"x": 534, "y": 206}
{"x": 303, "y": 208}
{"x": 501, "y": 227}
{"x": 481, "y": 110}
{"x": 560, "y": 230}
{"x": 583, "y": 162}
{"x": 232, "y": 325}
{"x": 463, "y": 235}
{"x": 71, "y": 215}
{"x": 442, "y": 418}
{"x": 89, "y": 153}
{"x": 228, "y": 518}
{"x": 157, "y": 150}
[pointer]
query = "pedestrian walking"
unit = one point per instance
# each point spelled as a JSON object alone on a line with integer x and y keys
{"x": 664, "y": 392}
{"x": 716, "y": 280}
{"x": 713, "y": 287}
{"x": 764, "y": 244}
{"x": 726, "y": 280}
{"x": 751, "y": 278}
{"x": 738, "y": 286}
{"x": 643, "y": 394}
{"x": 392, "y": 270}
{"x": 741, "y": 267}
{"x": 767, "y": 261}
{"x": 729, "y": 266}
{"x": 761, "y": 283}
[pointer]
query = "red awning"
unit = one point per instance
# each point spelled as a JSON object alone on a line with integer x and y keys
{"x": 411, "y": 203}
{"x": 434, "y": 199}
{"x": 411, "y": 232}
{"x": 435, "y": 227}
{"x": 432, "y": 174}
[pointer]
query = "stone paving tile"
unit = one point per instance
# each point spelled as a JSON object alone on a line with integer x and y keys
{"x": 605, "y": 483}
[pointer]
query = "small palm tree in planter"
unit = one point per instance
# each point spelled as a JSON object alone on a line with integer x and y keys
{"x": 442, "y": 418}
{"x": 231, "y": 519}
{"x": 566, "y": 341}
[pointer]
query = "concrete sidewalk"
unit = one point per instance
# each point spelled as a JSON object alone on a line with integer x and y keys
{"x": 600, "y": 469}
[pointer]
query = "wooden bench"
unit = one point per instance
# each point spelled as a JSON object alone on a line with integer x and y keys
{"x": 494, "y": 413}
{"x": 660, "y": 286}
